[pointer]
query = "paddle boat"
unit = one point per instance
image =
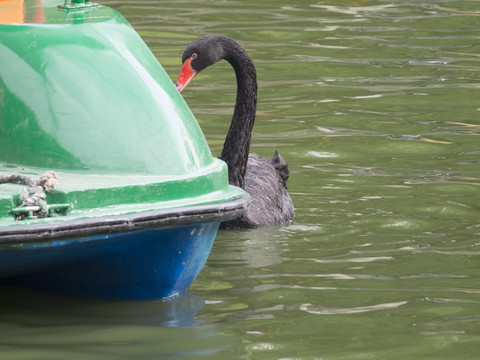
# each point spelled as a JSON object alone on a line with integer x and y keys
{"x": 107, "y": 185}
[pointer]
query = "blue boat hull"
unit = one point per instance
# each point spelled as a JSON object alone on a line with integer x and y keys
{"x": 139, "y": 256}
{"x": 143, "y": 264}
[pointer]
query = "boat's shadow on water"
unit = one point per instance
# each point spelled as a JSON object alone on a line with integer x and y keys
{"x": 42, "y": 308}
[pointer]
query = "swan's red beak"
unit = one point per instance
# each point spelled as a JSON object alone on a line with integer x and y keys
{"x": 186, "y": 75}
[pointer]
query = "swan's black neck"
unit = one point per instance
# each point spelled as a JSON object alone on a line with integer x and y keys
{"x": 237, "y": 143}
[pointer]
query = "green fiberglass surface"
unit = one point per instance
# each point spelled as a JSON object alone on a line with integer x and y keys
{"x": 81, "y": 94}
{"x": 82, "y": 91}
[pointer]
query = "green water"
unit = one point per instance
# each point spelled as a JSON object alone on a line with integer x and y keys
{"x": 375, "y": 105}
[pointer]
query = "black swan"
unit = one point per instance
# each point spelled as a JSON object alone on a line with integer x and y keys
{"x": 264, "y": 179}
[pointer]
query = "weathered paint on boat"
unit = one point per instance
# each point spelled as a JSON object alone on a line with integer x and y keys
{"x": 140, "y": 197}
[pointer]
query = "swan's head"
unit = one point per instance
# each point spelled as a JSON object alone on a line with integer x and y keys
{"x": 200, "y": 54}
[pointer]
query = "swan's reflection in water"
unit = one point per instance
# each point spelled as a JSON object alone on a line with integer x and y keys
{"x": 249, "y": 248}
{"x": 265, "y": 247}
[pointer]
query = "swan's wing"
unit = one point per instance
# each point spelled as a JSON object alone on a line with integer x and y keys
{"x": 270, "y": 203}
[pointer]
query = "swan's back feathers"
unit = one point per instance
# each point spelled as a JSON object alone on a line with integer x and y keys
{"x": 265, "y": 181}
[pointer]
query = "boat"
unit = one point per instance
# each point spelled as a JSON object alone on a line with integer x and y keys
{"x": 107, "y": 185}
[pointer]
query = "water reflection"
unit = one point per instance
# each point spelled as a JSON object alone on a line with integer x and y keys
{"x": 34, "y": 323}
{"x": 18, "y": 305}
{"x": 263, "y": 247}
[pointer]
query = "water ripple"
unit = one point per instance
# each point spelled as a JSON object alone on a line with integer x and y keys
{"x": 352, "y": 260}
{"x": 321, "y": 310}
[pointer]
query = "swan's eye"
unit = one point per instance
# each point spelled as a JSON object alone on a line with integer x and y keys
{"x": 194, "y": 56}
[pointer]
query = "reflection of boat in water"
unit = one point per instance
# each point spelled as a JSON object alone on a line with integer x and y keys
{"x": 44, "y": 325}
{"x": 39, "y": 308}
{"x": 139, "y": 196}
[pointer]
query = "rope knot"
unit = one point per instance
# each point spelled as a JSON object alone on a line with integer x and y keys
{"x": 48, "y": 181}
{"x": 35, "y": 194}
